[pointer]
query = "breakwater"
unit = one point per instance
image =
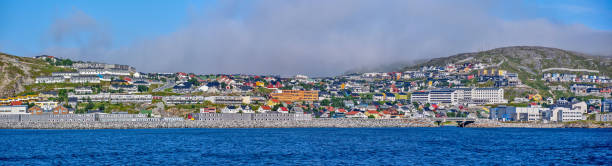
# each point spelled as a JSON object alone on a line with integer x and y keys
{"x": 315, "y": 123}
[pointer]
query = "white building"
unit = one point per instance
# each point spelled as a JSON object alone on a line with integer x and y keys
{"x": 230, "y": 109}
{"x": 83, "y": 90}
{"x": 50, "y": 80}
{"x": 455, "y": 96}
{"x": 66, "y": 75}
{"x": 85, "y": 79}
{"x": 17, "y": 109}
{"x": 531, "y": 113}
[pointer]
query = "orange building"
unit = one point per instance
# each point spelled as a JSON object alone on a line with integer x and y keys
{"x": 60, "y": 110}
{"x": 296, "y": 95}
{"x": 35, "y": 110}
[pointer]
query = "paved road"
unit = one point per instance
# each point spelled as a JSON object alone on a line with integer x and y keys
{"x": 168, "y": 84}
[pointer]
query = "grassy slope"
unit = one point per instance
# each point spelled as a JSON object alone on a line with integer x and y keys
{"x": 528, "y": 62}
{"x": 17, "y": 72}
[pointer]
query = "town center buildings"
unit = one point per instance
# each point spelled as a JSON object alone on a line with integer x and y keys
{"x": 455, "y": 96}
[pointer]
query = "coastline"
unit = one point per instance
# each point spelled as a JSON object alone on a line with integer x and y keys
{"x": 315, "y": 123}
{"x": 576, "y": 124}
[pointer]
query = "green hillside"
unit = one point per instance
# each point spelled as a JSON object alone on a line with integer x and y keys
{"x": 16, "y": 72}
{"x": 529, "y": 62}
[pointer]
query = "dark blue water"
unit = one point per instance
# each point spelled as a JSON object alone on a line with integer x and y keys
{"x": 387, "y": 146}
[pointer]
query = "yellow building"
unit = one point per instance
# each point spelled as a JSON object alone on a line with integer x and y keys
{"x": 272, "y": 102}
{"x": 376, "y": 114}
{"x": 296, "y": 95}
{"x": 400, "y": 96}
{"x": 46, "y": 105}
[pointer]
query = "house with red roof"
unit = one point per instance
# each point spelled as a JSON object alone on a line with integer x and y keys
{"x": 264, "y": 108}
{"x": 208, "y": 110}
{"x": 283, "y": 110}
{"x": 374, "y": 113}
{"x": 356, "y": 114}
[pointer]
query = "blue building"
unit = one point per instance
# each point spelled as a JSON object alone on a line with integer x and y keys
{"x": 606, "y": 105}
{"x": 503, "y": 113}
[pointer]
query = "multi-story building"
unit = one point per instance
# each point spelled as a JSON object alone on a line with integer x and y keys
{"x": 16, "y": 109}
{"x": 296, "y": 95}
{"x": 85, "y": 79}
{"x": 124, "y": 88}
{"x": 606, "y": 105}
{"x": 46, "y": 105}
{"x": 603, "y": 117}
{"x": 113, "y": 98}
{"x": 83, "y": 90}
{"x": 66, "y": 75}
{"x": 183, "y": 99}
{"x": 455, "y": 96}
{"x": 420, "y": 97}
{"x": 531, "y": 113}
{"x": 50, "y": 80}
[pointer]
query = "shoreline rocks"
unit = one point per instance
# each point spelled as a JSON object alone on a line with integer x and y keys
{"x": 496, "y": 124}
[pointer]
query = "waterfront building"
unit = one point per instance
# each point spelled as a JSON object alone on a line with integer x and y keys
{"x": 603, "y": 117}
{"x": 606, "y": 105}
{"x": 230, "y": 109}
{"x": 46, "y": 105}
{"x": 60, "y": 110}
{"x": 15, "y": 109}
{"x": 121, "y": 117}
{"x": 568, "y": 115}
{"x": 530, "y": 113}
{"x": 35, "y": 110}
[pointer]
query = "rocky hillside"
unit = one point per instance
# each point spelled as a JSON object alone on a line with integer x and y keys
{"x": 530, "y": 60}
{"x": 16, "y": 72}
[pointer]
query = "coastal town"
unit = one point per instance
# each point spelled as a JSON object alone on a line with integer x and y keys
{"x": 451, "y": 93}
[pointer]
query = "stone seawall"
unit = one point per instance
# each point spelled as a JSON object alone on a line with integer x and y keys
{"x": 315, "y": 123}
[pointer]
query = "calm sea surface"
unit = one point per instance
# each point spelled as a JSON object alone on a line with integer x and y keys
{"x": 330, "y": 146}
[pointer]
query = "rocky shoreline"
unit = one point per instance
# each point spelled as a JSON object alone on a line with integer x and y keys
{"x": 497, "y": 124}
{"x": 316, "y": 123}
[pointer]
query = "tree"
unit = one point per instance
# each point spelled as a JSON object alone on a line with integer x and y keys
{"x": 275, "y": 107}
{"x": 371, "y": 117}
{"x": 325, "y": 102}
{"x": 142, "y": 88}
{"x": 89, "y": 106}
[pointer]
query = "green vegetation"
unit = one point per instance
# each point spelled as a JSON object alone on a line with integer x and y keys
{"x": 107, "y": 107}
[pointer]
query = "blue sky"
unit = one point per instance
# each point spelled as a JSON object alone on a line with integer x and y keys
{"x": 28, "y": 26}
{"x": 27, "y": 23}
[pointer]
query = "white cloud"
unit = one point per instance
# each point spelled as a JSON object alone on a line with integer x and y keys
{"x": 329, "y": 37}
